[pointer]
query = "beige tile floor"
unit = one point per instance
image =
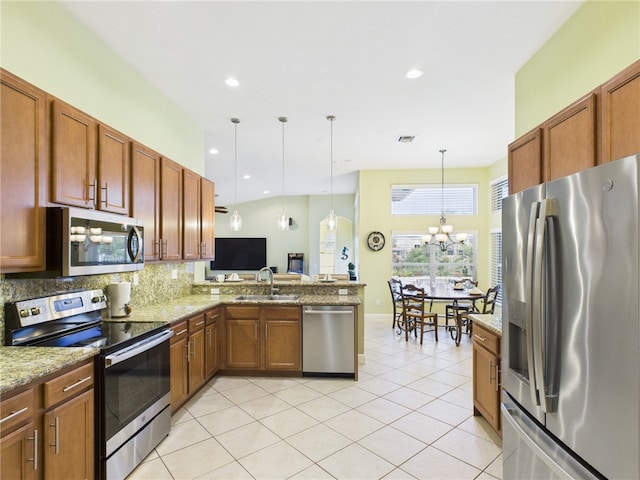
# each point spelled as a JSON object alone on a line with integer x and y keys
{"x": 409, "y": 416}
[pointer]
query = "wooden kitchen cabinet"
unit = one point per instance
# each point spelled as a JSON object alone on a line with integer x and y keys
{"x": 179, "y": 365}
{"x": 196, "y": 353}
{"x": 211, "y": 338}
{"x": 170, "y": 210}
{"x": 145, "y": 196}
{"x": 620, "y": 114}
{"x": 69, "y": 439}
{"x": 19, "y": 448}
{"x": 18, "y": 452}
{"x": 207, "y": 218}
{"x": 525, "y": 161}
{"x": 114, "y": 170}
{"x": 263, "y": 337}
{"x": 487, "y": 388}
{"x": 282, "y": 338}
{"x": 191, "y": 215}
{"x": 24, "y": 167}
{"x": 242, "y": 323}
{"x": 48, "y": 428}
{"x": 569, "y": 139}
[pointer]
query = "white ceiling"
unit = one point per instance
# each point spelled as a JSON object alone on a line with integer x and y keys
{"x": 309, "y": 59}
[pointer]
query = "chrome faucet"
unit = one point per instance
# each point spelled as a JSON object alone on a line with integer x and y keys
{"x": 267, "y": 269}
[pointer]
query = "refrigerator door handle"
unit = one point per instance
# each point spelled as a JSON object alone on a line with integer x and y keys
{"x": 559, "y": 462}
{"x": 529, "y": 296}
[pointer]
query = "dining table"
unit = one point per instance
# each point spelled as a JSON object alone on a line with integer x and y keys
{"x": 454, "y": 296}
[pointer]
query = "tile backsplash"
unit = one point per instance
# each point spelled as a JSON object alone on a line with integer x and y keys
{"x": 156, "y": 284}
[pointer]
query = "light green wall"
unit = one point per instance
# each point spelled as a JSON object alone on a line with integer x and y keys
{"x": 374, "y": 213}
{"x": 598, "y": 41}
{"x": 259, "y": 220}
{"x": 45, "y": 45}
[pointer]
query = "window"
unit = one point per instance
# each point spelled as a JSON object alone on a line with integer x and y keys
{"x": 496, "y": 262}
{"x": 414, "y": 261}
{"x": 499, "y": 190}
{"x": 427, "y": 199}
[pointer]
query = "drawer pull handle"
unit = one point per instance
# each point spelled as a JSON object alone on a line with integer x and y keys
{"x": 482, "y": 339}
{"x": 69, "y": 387}
{"x": 200, "y": 323}
{"x": 14, "y": 414}
{"x": 184, "y": 330}
{"x": 35, "y": 449}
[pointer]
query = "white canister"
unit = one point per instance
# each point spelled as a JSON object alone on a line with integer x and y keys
{"x": 120, "y": 299}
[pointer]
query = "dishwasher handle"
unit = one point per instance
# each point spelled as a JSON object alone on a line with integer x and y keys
{"x": 328, "y": 312}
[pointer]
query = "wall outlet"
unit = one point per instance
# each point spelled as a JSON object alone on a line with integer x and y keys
{"x": 136, "y": 279}
{"x": 174, "y": 274}
{"x": 215, "y": 291}
{"x": 343, "y": 291}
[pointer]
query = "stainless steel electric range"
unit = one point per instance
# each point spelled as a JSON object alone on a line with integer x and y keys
{"x": 132, "y": 395}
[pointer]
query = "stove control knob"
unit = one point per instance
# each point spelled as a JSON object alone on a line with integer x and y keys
{"x": 36, "y": 311}
{"x": 25, "y": 312}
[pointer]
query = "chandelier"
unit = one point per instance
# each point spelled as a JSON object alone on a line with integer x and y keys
{"x": 440, "y": 236}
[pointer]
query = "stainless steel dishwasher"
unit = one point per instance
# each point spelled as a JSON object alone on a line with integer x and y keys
{"x": 328, "y": 341}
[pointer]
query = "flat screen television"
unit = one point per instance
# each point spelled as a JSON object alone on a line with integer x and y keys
{"x": 240, "y": 254}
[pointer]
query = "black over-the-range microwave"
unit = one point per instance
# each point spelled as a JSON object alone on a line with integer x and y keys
{"x": 90, "y": 242}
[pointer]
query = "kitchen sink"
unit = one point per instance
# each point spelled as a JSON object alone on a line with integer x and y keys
{"x": 268, "y": 298}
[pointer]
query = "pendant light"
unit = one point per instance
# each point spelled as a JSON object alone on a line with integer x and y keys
{"x": 331, "y": 216}
{"x": 236, "y": 220}
{"x": 441, "y": 235}
{"x": 283, "y": 219}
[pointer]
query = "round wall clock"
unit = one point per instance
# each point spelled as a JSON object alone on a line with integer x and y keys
{"x": 375, "y": 241}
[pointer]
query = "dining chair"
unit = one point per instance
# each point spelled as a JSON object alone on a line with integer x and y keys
{"x": 415, "y": 314}
{"x": 451, "y": 310}
{"x": 395, "y": 287}
{"x": 488, "y": 307}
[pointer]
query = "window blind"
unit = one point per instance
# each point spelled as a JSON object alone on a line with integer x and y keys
{"x": 427, "y": 199}
{"x": 496, "y": 262}
{"x": 499, "y": 190}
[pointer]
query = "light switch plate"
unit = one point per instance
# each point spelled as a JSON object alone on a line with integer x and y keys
{"x": 174, "y": 274}
{"x": 215, "y": 291}
{"x": 136, "y": 279}
{"x": 342, "y": 291}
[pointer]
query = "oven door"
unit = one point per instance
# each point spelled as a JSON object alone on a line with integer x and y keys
{"x": 136, "y": 388}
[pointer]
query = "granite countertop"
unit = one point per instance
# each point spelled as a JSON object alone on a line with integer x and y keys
{"x": 493, "y": 323}
{"x": 22, "y": 365}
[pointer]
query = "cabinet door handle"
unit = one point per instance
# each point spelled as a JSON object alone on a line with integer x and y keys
{"x": 56, "y": 443}
{"x": 193, "y": 353}
{"x": 209, "y": 337}
{"x": 498, "y": 371}
{"x": 106, "y": 192}
{"x": 14, "y": 414}
{"x": 69, "y": 387}
{"x": 93, "y": 186}
{"x": 35, "y": 449}
{"x": 188, "y": 351}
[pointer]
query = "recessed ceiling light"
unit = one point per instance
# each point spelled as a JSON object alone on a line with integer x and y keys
{"x": 266, "y": 192}
{"x": 232, "y": 82}
{"x": 247, "y": 176}
{"x": 414, "y": 73}
{"x": 213, "y": 151}
{"x": 406, "y": 138}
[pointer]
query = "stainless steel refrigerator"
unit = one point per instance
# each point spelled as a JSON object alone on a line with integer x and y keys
{"x": 571, "y": 327}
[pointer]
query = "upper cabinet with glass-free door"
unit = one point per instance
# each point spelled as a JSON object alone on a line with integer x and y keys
{"x": 90, "y": 162}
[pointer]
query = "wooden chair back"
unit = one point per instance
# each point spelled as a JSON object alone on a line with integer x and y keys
{"x": 489, "y": 302}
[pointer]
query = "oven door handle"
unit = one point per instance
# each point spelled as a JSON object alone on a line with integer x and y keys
{"x": 137, "y": 348}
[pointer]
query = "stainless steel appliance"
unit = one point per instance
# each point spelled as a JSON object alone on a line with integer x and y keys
{"x": 90, "y": 242}
{"x": 132, "y": 388}
{"x": 328, "y": 341}
{"x": 571, "y": 326}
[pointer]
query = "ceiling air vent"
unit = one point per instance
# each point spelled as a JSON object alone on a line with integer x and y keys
{"x": 406, "y": 138}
